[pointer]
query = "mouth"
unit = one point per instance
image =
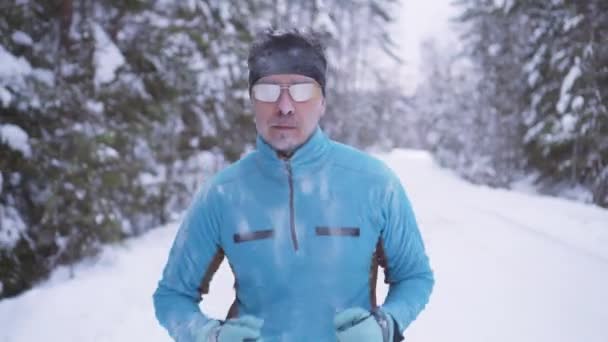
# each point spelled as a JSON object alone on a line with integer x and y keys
{"x": 283, "y": 127}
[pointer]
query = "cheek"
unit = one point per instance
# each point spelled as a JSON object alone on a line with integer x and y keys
{"x": 313, "y": 112}
{"x": 262, "y": 111}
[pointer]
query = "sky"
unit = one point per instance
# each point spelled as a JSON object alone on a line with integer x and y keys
{"x": 416, "y": 21}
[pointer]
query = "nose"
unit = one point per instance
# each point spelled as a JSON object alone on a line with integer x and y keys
{"x": 285, "y": 103}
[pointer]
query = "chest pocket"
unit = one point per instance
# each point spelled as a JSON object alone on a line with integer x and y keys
{"x": 341, "y": 248}
{"x": 252, "y": 236}
{"x": 252, "y": 249}
{"x": 254, "y": 259}
{"x": 338, "y": 231}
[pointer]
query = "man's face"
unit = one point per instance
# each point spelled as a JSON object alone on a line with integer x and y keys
{"x": 286, "y": 124}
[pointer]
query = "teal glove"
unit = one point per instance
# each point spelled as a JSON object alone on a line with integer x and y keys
{"x": 359, "y": 325}
{"x": 242, "y": 329}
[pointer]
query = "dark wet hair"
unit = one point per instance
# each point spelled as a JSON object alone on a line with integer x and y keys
{"x": 287, "y": 52}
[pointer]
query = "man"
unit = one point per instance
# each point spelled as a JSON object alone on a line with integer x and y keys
{"x": 303, "y": 221}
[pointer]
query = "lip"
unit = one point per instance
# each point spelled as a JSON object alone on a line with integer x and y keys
{"x": 283, "y": 127}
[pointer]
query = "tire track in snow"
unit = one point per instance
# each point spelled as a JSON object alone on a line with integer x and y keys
{"x": 541, "y": 234}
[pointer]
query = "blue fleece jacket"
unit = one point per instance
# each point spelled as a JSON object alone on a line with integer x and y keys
{"x": 304, "y": 236}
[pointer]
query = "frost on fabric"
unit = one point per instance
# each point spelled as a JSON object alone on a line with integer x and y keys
{"x": 198, "y": 200}
{"x": 107, "y": 57}
{"x": 306, "y": 185}
{"x": 16, "y": 138}
{"x": 279, "y": 217}
{"x": 243, "y": 225}
{"x": 11, "y": 227}
{"x": 324, "y": 186}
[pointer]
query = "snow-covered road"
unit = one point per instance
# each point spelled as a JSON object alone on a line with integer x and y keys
{"x": 509, "y": 267}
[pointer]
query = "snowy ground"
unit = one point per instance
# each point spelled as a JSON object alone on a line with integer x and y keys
{"x": 509, "y": 267}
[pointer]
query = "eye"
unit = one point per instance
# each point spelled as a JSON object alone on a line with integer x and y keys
{"x": 266, "y": 92}
{"x": 302, "y": 91}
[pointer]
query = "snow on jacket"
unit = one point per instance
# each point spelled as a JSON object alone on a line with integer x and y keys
{"x": 304, "y": 237}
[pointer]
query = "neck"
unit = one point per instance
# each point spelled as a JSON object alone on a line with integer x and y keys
{"x": 285, "y": 154}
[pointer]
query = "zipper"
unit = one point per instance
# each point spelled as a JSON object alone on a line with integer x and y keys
{"x": 292, "y": 222}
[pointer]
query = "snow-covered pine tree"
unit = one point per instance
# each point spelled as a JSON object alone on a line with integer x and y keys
{"x": 541, "y": 90}
{"x": 567, "y": 121}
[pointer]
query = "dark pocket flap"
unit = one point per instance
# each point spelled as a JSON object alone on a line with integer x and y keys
{"x": 256, "y": 235}
{"x": 337, "y": 231}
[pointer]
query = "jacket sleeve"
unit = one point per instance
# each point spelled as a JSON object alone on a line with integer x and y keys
{"x": 408, "y": 271}
{"x": 192, "y": 260}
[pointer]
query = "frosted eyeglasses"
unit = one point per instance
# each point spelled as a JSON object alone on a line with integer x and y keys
{"x": 299, "y": 92}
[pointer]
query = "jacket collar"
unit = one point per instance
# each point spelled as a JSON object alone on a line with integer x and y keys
{"x": 308, "y": 157}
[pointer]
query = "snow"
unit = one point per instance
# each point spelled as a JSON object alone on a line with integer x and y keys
{"x": 149, "y": 179}
{"x": 5, "y": 97}
{"x": 533, "y": 77}
{"x": 11, "y": 67}
{"x": 44, "y": 75}
{"x": 568, "y": 82}
{"x": 11, "y": 227}
{"x": 578, "y": 103}
{"x": 96, "y": 107}
{"x": 494, "y": 49}
{"x": 107, "y": 153}
{"x": 529, "y": 184}
{"x": 22, "y": 38}
{"x": 107, "y": 57}
{"x": 509, "y": 266}
{"x": 533, "y": 132}
{"x": 506, "y": 4}
{"x": 572, "y": 22}
{"x": 568, "y": 122}
{"x": 16, "y": 138}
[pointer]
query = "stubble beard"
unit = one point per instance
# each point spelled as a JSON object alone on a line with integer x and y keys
{"x": 284, "y": 143}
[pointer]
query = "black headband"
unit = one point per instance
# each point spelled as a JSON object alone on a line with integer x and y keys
{"x": 288, "y": 59}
